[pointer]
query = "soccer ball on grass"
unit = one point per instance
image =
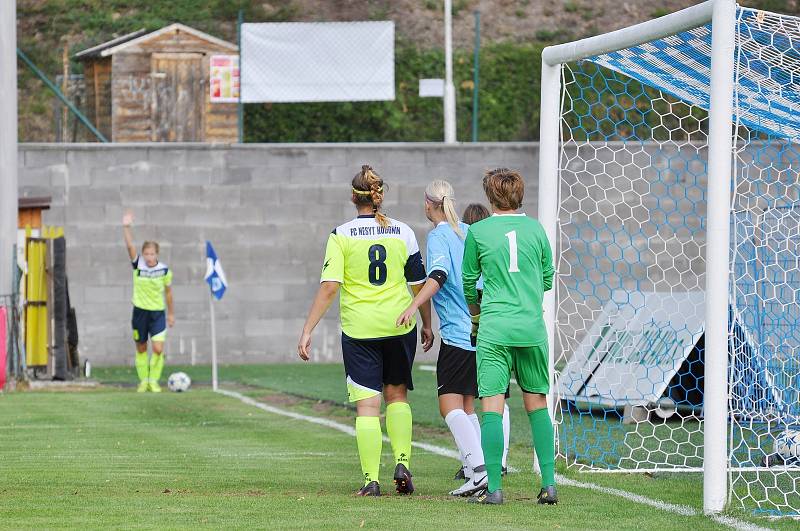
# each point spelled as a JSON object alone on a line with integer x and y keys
{"x": 179, "y": 382}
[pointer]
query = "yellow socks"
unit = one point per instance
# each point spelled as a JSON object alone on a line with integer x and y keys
{"x": 142, "y": 371}
{"x": 370, "y": 444}
{"x": 156, "y": 368}
{"x": 398, "y": 426}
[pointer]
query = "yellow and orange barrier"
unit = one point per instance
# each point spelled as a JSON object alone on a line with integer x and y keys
{"x": 37, "y": 289}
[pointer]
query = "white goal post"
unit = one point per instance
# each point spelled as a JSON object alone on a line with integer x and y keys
{"x": 711, "y": 130}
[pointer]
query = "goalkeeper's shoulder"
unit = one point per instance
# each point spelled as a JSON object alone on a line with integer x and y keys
{"x": 534, "y": 222}
{"x": 537, "y": 227}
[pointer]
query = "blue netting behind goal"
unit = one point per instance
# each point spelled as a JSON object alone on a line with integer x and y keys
{"x": 768, "y": 55}
{"x": 631, "y": 263}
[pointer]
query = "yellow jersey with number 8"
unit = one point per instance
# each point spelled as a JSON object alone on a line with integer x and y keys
{"x": 374, "y": 266}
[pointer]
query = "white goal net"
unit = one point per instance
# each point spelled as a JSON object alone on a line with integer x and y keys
{"x": 632, "y": 228}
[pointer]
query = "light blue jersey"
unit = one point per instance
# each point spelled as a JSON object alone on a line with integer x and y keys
{"x": 445, "y": 252}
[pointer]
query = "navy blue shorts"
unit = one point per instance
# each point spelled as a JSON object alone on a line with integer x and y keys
{"x": 371, "y": 363}
{"x": 148, "y": 324}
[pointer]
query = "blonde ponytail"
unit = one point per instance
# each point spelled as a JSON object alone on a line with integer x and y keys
{"x": 441, "y": 194}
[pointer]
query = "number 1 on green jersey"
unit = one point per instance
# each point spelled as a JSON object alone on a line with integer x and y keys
{"x": 513, "y": 266}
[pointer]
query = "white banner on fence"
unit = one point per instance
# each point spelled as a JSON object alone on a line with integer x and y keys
{"x": 317, "y": 61}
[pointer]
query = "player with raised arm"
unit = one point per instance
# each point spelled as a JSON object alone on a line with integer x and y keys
{"x": 371, "y": 260}
{"x": 513, "y": 254}
{"x": 152, "y": 281}
{"x": 456, "y": 378}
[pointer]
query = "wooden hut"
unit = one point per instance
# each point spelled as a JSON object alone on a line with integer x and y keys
{"x": 29, "y": 212}
{"x": 155, "y": 87}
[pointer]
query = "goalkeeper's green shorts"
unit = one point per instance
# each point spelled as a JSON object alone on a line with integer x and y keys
{"x": 496, "y": 362}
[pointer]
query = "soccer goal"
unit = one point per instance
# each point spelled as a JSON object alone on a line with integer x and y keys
{"x": 669, "y": 184}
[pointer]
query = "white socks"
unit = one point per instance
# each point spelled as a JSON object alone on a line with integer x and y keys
{"x": 476, "y": 423}
{"x": 468, "y": 442}
{"x": 506, "y": 433}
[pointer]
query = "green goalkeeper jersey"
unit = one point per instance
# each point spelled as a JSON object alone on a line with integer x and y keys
{"x": 513, "y": 254}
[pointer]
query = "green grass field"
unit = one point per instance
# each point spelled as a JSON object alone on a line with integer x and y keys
{"x": 113, "y": 458}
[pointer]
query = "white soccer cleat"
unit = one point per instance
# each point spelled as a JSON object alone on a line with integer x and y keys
{"x": 478, "y": 482}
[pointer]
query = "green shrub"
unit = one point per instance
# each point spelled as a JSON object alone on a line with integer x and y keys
{"x": 508, "y": 109}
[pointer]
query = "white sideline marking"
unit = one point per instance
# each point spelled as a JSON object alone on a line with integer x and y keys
{"x": 437, "y": 450}
{"x": 683, "y": 510}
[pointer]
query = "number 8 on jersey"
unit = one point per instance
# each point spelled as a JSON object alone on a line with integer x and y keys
{"x": 373, "y": 264}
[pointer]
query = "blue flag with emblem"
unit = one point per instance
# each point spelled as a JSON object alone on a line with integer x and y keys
{"x": 215, "y": 276}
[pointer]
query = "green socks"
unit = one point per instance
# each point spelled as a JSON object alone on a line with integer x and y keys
{"x": 492, "y": 444}
{"x": 141, "y": 366}
{"x": 398, "y": 426}
{"x": 544, "y": 444}
{"x": 156, "y": 367}
{"x": 370, "y": 442}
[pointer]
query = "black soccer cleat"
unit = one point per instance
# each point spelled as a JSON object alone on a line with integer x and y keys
{"x": 504, "y": 471}
{"x": 372, "y": 488}
{"x": 488, "y": 498}
{"x": 548, "y": 496}
{"x": 460, "y": 474}
{"x": 402, "y": 479}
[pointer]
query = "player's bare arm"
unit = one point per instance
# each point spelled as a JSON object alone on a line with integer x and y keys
{"x": 425, "y": 294}
{"x": 127, "y": 222}
{"x": 326, "y": 293}
{"x": 426, "y": 334}
{"x": 170, "y": 308}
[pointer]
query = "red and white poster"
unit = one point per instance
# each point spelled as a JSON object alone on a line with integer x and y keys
{"x": 224, "y": 79}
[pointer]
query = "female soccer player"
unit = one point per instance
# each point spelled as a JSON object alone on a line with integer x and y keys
{"x": 513, "y": 254}
{"x": 152, "y": 282}
{"x": 474, "y": 213}
{"x": 370, "y": 260}
{"x": 456, "y": 378}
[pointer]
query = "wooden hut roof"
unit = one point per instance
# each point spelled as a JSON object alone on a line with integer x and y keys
{"x": 95, "y": 51}
{"x": 35, "y": 202}
{"x": 132, "y": 39}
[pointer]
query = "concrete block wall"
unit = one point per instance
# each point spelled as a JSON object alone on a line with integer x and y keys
{"x": 632, "y": 222}
{"x": 267, "y": 209}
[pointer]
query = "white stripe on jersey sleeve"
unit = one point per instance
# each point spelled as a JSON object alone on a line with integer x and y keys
{"x": 408, "y": 237}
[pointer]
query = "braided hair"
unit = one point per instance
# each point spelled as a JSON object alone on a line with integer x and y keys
{"x": 368, "y": 189}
